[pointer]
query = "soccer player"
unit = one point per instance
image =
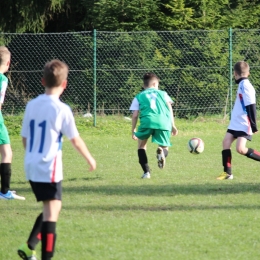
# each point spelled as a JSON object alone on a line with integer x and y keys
{"x": 243, "y": 121}
{"x": 5, "y": 147}
{"x": 154, "y": 107}
{"x": 46, "y": 119}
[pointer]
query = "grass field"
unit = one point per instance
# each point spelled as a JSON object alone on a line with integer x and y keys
{"x": 182, "y": 212}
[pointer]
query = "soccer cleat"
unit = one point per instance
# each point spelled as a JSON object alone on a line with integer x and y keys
{"x": 26, "y": 253}
{"x": 225, "y": 176}
{"x": 146, "y": 175}
{"x": 10, "y": 195}
{"x": 160, "y": 157}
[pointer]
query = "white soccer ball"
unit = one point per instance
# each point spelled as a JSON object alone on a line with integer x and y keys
{"x": 195, "y": 145}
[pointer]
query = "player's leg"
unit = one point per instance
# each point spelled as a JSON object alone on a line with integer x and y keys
{"x": 51, "y": 210}
{"x": 162, "y": 138}
{"x": 5, "y": 166}
{"x": 248, "y": 152}
{"x": 27, "y": 250}
{"x": 143, "y": 135}
{"x": 143, "y": 160}
{"x": 227, "y": 156}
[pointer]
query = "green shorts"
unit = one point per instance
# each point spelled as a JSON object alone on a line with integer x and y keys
{"x": 4, "y": 137}
{"x": 161, "y": 137}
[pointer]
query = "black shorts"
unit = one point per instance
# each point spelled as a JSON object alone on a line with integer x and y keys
{"x": 237, "y": 134}
{"x": 46, "y": 191}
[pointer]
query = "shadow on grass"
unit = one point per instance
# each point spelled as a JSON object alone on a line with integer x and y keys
{"x": 159, "y": 190}
{"x": 168, "y": 190}
{"x": 84, "y": 179}
{"x": 159, "y": 208}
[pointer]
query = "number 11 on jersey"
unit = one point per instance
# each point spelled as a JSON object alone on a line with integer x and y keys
{"x": 42, "y": 125}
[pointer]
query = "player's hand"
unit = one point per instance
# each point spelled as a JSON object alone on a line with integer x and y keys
{"x": 174, "y": 130}
{"x": 92, "y": 164}
{"x": 134, "y": 137}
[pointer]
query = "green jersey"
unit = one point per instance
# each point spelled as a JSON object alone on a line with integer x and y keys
{"x": 153, "y": 109}
{"x": 3, "y": 86}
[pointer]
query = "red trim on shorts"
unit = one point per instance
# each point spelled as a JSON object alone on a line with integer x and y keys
{"x": 50, "y": 241}
{"x": 54, "y": 170}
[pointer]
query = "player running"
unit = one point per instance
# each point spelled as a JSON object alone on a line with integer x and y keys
{"x": 46, "y": 119}
{"x": 243, "y": 121}
{"x": 154, "y": 108}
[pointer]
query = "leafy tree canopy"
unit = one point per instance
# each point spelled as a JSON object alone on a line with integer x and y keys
{"x": 127, "y": 15}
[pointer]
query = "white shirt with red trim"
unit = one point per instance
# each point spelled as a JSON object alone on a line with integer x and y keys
{"x": 46, "y": 119}
{"x": 245, "y": 97}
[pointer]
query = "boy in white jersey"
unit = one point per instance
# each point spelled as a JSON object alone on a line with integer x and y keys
{"x": 5, "y": 147}
{"x": 46, "y": 119}
{"x": 156, "y": 120}
{"x": 243, "y": 121}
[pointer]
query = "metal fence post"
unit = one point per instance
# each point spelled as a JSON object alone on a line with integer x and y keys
{"x": 230, "y": 69}
{"x": 95, "y": 75}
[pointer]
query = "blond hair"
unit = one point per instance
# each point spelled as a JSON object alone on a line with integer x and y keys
{"x": 5, "y": 55}
{"x": 242, "y": 68}
{"x": 54, "y": 73}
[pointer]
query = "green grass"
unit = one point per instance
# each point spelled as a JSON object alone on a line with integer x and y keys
{"x": 183, "y": 212}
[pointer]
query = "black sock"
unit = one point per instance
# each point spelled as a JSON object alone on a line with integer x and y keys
{"x": 253, "y": 154}
{"x": 165, "y": 151}
{"x": 143, "y": 160}
{"x": 5, "y": 171}
{"x": 35, "y": 235}
{"x": 48, "y": 239}
{"x": 226, "y": 160}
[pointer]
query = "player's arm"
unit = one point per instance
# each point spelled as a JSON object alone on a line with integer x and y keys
{"x": 169, "y": 102}
{"x": 250, "y": 105}
{"x": 2, "y": 92}
{"x": 70, "y": 130}
{"x": 174, "y": 128}
{"x": 135, "y": 109}
{"x": 251, "y": 113}
{"x": 25, "y": 127}
{"x": 80, "y": 146}
{"x": 134, "y": 122}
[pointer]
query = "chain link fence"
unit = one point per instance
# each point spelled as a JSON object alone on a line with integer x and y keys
{"x": 106, "y": 68}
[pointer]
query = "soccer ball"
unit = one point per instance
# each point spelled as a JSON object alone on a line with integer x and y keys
{"x": 195, "y": 145}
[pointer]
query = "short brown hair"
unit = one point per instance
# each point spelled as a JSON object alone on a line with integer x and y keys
{"x": 148, "y": 77}
{"x": 54, "y": 73}
{"x": 4, "y": 54}
{"x": 241, "y": 68}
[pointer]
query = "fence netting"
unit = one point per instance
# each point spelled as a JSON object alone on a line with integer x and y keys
{"x": 193, "y": 67}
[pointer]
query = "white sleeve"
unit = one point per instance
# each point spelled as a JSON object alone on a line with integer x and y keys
{"x": 249, "y": 94}
{"x": 167, "y": 98}
{"x": 2, "y": 92}
{"x": 135, "y": 105}
{"x": 68, "y": 125}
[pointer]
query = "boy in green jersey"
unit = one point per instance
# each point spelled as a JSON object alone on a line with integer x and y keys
{"x": 5, "y": 147}
{"x": 154, "y": 108}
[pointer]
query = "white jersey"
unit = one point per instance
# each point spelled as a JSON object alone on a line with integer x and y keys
{"x": 245, "y": 97}
{"x": 46, "y": 119}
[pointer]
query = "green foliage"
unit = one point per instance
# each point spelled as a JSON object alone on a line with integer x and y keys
{"x": 13, "y": 124}
{"x": 126, "y": 15}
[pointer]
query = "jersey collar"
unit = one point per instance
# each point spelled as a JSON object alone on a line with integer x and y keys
{"x": 239, "y": 80}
